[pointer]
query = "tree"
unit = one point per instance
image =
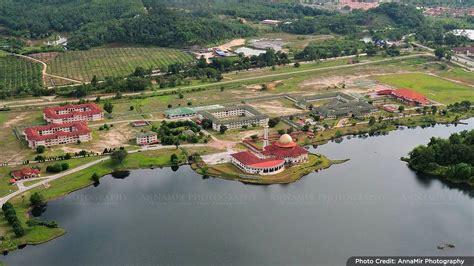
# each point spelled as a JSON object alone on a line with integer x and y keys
{"x": 94, "y": 81}
{"x": 118, "y": 156}
{"x": 132, "y": 107}
{"x": 108, "y": 107}
{"x": 297, "y": 64}
{"x": 174, "y": 159}
{"x": 371, "y": 121}
{"x": 40, "y": 149}
{"x": 95, "y": 177}
{"x": 401, "y": 108}
{"x": 37, "y": 200}
{"x": 222, "y": 129}
{"x": 440, "y": 52}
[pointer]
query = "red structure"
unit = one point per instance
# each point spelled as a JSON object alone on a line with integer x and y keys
{"x": 410, "y": 97}
{"x": 72, "y": 113}
{"x": 57, "y": 134}
{"x": 286, "y": 149}
{"x": 407, "y": 96}
{"x": 250, "y": 163}
{"x": 25, "y": 173}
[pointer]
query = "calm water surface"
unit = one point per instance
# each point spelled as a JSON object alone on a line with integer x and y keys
{"x": 371, "y": 205}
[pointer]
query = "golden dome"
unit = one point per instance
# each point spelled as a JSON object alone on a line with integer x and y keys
{"x": 285, "y": 139}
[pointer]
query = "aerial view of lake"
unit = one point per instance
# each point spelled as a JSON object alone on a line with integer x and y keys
{"x": 371, "y": 205}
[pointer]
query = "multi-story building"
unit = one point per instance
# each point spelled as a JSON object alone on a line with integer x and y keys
{"x": 234, "y": 117}
{"x": 147, "y": 138}
{"x": 72, "y": 113}
{"x": 57, "y": 134}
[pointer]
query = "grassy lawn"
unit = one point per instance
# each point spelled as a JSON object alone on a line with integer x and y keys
{"x": 459, "y": 74}
{"x": 434, "y": 88}
{"x": 103, "y": 62}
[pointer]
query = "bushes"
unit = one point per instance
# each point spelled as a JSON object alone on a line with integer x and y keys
{"x": 57, "y": 167}
{"x": 10, "y": 216}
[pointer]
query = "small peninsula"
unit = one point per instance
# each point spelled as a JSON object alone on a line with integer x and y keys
{"x": 452, "y": 158}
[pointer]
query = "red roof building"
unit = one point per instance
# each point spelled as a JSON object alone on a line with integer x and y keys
{"x": 25, "y": 173}
{"x": 272, "y": 159}
{"x": 57, "y": 134}
{"x": 72, "y": 113}
{"x": 251, "y": 164}
{"x": 410, "y": 97}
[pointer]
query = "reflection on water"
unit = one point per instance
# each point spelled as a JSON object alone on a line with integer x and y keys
{"x": 371, "y": 205}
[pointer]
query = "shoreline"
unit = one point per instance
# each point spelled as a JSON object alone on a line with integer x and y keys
{"x": 105, "y": 169}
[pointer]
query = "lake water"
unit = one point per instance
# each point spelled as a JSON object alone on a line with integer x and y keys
{"x": 371, "y": 205}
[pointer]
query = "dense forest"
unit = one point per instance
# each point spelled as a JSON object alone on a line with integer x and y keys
{"x": 181, "y": 23}
{"x": 452, "y": 158}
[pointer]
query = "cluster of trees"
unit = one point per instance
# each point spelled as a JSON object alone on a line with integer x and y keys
{"x": 333, "y": 48}
{"x": 109, "y": 85}
{"x": 460, "y": 106}
{"x": 392, "y": 14}
{"x": 57, "y": 167}
{"x": 10, "y": 215}
{"x": 176, "y": 132}
{"x": 179, "y": 74}
{"x": 452, "y": 158}
{"x": 118, "y": 156}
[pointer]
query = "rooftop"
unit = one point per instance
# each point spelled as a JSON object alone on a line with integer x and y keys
{"x": 249, "y": 159}
{"x": 71, "y": 110}
{"x": 76, "y": 128}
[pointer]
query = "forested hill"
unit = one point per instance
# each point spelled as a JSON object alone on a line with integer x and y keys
{"x": 95, "y": 22}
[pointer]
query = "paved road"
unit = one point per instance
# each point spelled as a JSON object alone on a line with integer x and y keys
{"x": 48, "y": 179}
{"x": 15, "y": 104}
{"x": 23, "y": 189}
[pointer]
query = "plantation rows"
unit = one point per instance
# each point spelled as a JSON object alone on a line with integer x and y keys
{"x": 103, "y": 62}
{"x": 16, "y": 72}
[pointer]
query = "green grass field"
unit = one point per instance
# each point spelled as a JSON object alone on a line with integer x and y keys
{"x": 16, "y": 72}
{"x": 103, "y": 62}
{"x": 432, "y": 87}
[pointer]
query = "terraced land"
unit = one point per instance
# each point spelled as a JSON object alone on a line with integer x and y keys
{"x": 16, "y": 72}
{"x": 107, "y": 62}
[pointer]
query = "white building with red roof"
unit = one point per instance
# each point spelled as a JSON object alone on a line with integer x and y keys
{"x": 57, "y": 134}
{"x": 251, "y": 164}
{"x": 73, "y": 113}
{"x": 272, "y": 159}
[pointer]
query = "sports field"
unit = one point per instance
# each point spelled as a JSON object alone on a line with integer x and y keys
{"x": 104, "y": 62}
{"x": 432, "y": 87}
{"x": 16, "y": 72}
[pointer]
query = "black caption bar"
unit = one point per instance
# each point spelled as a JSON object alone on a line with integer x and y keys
{"x": 410, "y": 261}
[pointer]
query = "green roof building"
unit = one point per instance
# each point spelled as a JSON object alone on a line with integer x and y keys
{"x": 180, "y": 112}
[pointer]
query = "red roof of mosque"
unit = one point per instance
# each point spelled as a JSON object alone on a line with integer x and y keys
{"x": 280, "y": 152}
{"x": 53, "y": 112}
{"x": 79, "y": 128}
{"x": 249, "y": 159}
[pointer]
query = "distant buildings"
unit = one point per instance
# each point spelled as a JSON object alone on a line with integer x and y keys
{"x": 336, "y": 109}
{"x": 73, "y": 113}
{"x": 147, "y": 138}
{"x": 467, "y": 51}
{"x": 270, "y": 22}
{"x": 234, "y": 117}
{"x": 181, "y": 112}
{"x": 57, "y": 134}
